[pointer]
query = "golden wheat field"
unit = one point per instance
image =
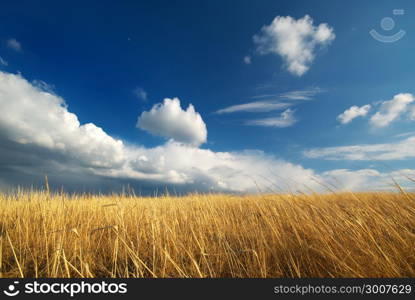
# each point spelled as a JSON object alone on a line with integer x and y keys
{"x": 319, "y": 235}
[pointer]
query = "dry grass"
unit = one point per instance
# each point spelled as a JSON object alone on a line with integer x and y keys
{"x": 337, "y": 235}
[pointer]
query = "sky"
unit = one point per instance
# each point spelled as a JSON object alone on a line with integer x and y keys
{"x": 209, "y": 96}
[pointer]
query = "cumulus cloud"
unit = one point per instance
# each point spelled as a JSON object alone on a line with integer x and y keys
{"x": 391, "y": 110}
{"x": 14, "y": 44}
{"x": 353, "y": 112}
{"x": 285, "y": 119}
{"x": 169, "y": 120}
{"x": 403, "y": 149}
{"x": 296, "y": 41}
{"x": 32, "y": 116}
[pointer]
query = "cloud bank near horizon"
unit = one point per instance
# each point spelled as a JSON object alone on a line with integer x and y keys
{"x": 39, "y": 135}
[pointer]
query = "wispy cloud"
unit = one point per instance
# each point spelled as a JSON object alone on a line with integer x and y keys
{"x": 247, "y": 60}
{"x": 3, "y": 62}
{"x": 46, "y": 87}
{"x": 285, "y": 119}
{"x": 273, "y": 102}
{"x": 405, "y": 134}
{"x": 307, "y": 94}
{"x": 255, "y": 106}
{"x": 403, "y": 149}
{"x": 140, "y": 93}
{"x": 14, "y": 44}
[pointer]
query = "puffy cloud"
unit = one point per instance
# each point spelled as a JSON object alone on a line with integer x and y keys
{"x": 169, "y": 120}
{"x": 140, "y": 93}
{"x": 353, "y": 112}
{"x": 403, "y": 149}
{"x": 247, "y": 60}
{"x": 391, "y": 110}
{"x": 285, "y": 119}
{"x": 32, "y": 116}
{"x": 14, "y": 44}
{"x": 255, "y": 106}
{"x": 294, "y": 40}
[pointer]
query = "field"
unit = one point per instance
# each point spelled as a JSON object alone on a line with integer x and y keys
{"x": 318, "y": 235}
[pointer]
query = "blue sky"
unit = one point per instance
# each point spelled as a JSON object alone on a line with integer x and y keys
{"x": 96, "y": 56}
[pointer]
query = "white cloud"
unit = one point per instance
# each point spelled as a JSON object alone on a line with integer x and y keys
{"x": 247, "y": 60}
{"x": 285, "y": 119}
{"x": 168, "y": 120}
{"x": 403, "y": 149}
{"x": 32, "y": 116}
{"x": 345, "y": 179}
{"x": 307, "y": 94}
{"x": 221, "y": 171}
{"x": 294, "y": 40}
{"x": 353, "y": 112}
{"x": 14, "y": 44}
{"x": 391, "y": 110}
{"x": 255, "y": 106}
{"x": 140, "y": 93}
{"x": 405, "y": 134}
{"x": 3, "y": 62}
{"x": 279, "y": 102}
